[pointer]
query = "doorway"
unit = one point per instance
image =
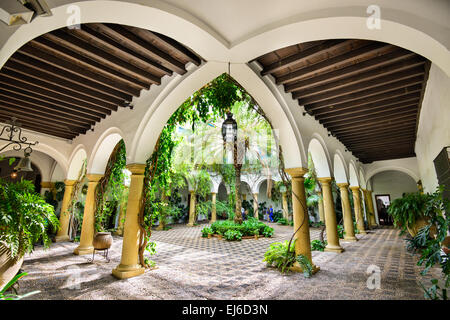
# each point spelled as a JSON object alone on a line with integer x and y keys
{"x": 383, "y": 202}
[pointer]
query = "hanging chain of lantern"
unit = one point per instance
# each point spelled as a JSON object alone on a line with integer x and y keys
{"x": 12, "y": 134}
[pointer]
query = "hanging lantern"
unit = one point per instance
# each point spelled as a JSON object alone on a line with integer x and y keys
{"x": 229, "y": 129}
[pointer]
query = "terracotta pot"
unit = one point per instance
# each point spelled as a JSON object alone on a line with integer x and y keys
{"x": 8, "y": 267}
{"x": 102, "y": 240}
{"x": 420, "y": 223}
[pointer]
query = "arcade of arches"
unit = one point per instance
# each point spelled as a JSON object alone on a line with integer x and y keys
{"x": 370, "y": 107}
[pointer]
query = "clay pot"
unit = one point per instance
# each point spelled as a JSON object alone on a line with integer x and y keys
{"x": 8, "y": 267}
{"x": 420, "y": 223}
{"x": 102, "y": 240}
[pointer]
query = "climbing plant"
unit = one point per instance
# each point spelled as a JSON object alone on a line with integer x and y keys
{"x": 110, "y": 188}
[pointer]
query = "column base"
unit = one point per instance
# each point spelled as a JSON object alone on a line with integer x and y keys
{"x": 212, "y": 221}
{"x": 125, "y": 272}
{"x": 83, "y": 250}
{"x": 118, "y": 233}
{"x": 337, "y": 249}
{"x": 362, "y": 232}
{"x": 350, "y": 238}
{"x": 63, "y": 238}
{"x": 190, "y": 225}
{"x": 297, "y": 268}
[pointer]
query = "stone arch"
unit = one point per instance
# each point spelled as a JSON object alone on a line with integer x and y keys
{"x": 79, "y": 155}
{"x": 339, "y": 168}
{"x": 173, "y": 96}
{"x": 101, "y": 152}
{"x": 319, "y": 156}
{"x": 353, "y": 176}
{"x": 407, "y": 171}
{"x": 362, "y": 180}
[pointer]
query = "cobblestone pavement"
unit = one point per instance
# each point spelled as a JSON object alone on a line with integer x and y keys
{"x": 191, "y": 267}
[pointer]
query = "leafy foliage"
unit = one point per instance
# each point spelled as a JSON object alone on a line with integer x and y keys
{"x": 232, "y": 235}
{"x": 406, "y": 210}
{"x": 206, "y": 231}
{"x": 24, "y": 217}
{"x": 247, "y": 228}
{"x": 12, "y": 296}
{"x": 317, "y": 245}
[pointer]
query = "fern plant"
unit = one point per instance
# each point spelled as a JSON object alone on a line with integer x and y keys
{"x": 14, "y": 296}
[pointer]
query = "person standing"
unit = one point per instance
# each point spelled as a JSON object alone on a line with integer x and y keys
{"x": 271, "y": 213}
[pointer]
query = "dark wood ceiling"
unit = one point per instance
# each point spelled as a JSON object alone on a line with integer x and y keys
{"x": 365, "y": 93}
{"x": 62, "y": 83}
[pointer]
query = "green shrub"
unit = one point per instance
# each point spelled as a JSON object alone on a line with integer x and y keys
{"x": 267, "y": 232}
{"x": 206, "y": 231}
{"x": 340, "y": 230}
{"x": 247, "y": 228}
{"x": 281, "y": 257}
{"x": 355, "y": 228}
{"x": 317, "y": 245}
{"x": 233, "y": 235}
{"x": 406, "y": 210}
{"x": 283, "y": 221}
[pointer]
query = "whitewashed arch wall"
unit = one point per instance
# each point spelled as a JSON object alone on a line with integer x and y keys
{"x": 353, "y": 176}
{"x": 340, "y": 174}
{"x": 101, "y": 152}
{"x": 319, "y": 156}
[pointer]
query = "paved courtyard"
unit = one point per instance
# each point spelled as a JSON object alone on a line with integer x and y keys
{"x": 191, "y": 267}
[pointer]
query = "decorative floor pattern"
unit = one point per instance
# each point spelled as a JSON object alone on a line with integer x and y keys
{"x": 191, "y": 267}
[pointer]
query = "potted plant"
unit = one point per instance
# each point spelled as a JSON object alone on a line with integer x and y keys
{"x": 24, "y": 220}
{"x": 409, "y": 213}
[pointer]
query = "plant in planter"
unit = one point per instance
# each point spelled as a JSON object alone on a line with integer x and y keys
{"x": 14, "y": 296}
{"x": 409, "y": 213}
{"x": 281, "y": 255}
{"x": 317, "y": 245}
{"x": 207, "y": 232}
{"x": 24, "y": 217}
{"x": 233, "y": 235}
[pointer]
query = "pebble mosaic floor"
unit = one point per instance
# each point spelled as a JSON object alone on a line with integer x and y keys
{"x": 191, "y": 267}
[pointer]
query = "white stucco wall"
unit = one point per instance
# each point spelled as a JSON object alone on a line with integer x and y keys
{"x": 394, "y": 183}
{"x": 434, "y": 126}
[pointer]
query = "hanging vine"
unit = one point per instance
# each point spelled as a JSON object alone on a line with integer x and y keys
{"x": 74, "y": 220}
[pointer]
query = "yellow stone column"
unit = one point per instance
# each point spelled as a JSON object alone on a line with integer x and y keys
{"x": 64, "y": 217}
{"x": 372, "y": 220}
{"x": 129, "y": 263}
{"x": 300, "y": 216}
{"x": 48, "y": 185}
{"x": 330, "y": 216}
{"x": 347, "y": 213}
{"x": 192, "y": 209}
{"x": 321, "y": 210}
{"x": 358, "y": 213}
{"x": 213, "y": 207}
{"x": 119, "y": 231}
{"x": 285, "y": 206}
{"x": 255, "y": 205}
{"x": 87, "y": 228}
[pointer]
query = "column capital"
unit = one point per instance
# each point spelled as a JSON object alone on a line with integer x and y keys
{"x": 255, "y": 193}
{"x": 47, "y": 184}
{"x": 325, "y": 180}
{"x": 137, "y": 169}
{"x": 213, "y": 192}
{"x": 343, "y": 185}
{"x": 94, "y": 177}
{"x": 355, "y": 188}
{"x": 69, "y": 183}
{"x": 296, "y": 172}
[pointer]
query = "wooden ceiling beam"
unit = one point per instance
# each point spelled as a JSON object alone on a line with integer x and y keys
{"x": 38, "y": 128}
{"x": 378, "y": 137}
{"x": 391, "y": 69}
{"x": 23, "y": 96}
{"x": 63, "y": 86}
{"x": 357, "y": 104}
{"x": 88, "y": 65}
{"x": 376, "y": 127}
{"x": 104, "y": 58}
{"x": 380, "y": 83}
{"x": 13, "y": 109}
{"x": 397, "y": 88}
{"x": 33, "y": 86}
{"x": 375, "y": 135}
{"x": 384, "y": 116}
{"x": 387, "y": 59}
{"x": 334, "y": 62}
{"x": 133, "y": 42}
{"x": 77, "y": 70}
{"x": 77, "y": 81}
{"x": 99, "y": 40}
{"x": 388, "y": 157}
{"x": 372, "y": 123}
{"x": 167, "y": 42}
{"x": 303, "y": 56}
{"x": 366, "y": 146}
{"x": 45, "y": 121}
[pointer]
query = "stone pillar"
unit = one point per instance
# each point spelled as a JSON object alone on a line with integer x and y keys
{"x": 358, "y": 213}
{"x": 285, "y": 206}
{"x": 192, "y": 209}
{"x": 119, "y": 231}
{"x": 330, "y": 216}
{"x": 213, "y": 207}
{"x": 48, "y": 185}
{"x": 300, "y": 216}
{"x": 347, "y": 213}
{"x": 321, "y": 210}
{"x": 87, "y": 228}
{"x": 129, "y": 263}
{"x": 372, "y": 220}
{"x": 64, "y": 217}
{"x": 255, "y": 205}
